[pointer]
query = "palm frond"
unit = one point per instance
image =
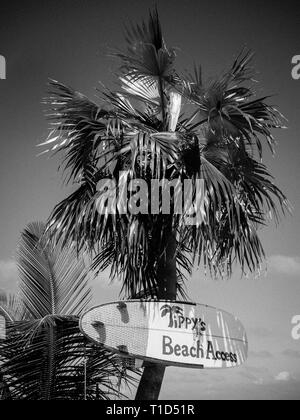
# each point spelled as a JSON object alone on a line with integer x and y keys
{"x": 44, "y": 355}
{"x": 147, "y": 56}
{"x": 11, "y": 307}
{"x": 50, "y": 365}
{"x": 53, "y": 281}
{"x": 143, "y": 88}
{"x": 76, "y": 124}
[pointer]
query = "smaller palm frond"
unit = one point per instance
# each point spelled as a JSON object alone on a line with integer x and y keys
{"x": 50, "y": 359}
{"x": 53, "y": 280}
{"x": 11, "y": 307}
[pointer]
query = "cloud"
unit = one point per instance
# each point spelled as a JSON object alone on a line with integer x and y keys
{"x": 248, "y": 375}
{"x": 260, "y": 354}
{"x": 8, "y": 275}
{"x": 254, "y": 374}
{"x": 283, "y": 377}
{"x": 245, "y": 383}
{"x": 293, "y": 354}
{"x": 259, "y": 332}
{"x": 284, "y": 264}
{"x": 259, "y": 381}
{"x": 255, "y": 388}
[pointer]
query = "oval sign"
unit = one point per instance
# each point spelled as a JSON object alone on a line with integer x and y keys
{"x": 172, "y": 333}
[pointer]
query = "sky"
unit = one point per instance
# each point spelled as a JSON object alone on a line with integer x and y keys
{"x": 68, "y": 41}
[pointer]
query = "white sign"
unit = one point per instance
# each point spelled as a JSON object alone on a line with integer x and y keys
{"x": 195, "y": 334}
{"x": 174, "y": 333}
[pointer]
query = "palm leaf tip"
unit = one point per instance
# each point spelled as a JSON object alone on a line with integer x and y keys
{"x": 146, "y": 33}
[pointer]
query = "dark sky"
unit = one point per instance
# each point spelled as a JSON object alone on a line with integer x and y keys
{"x": 67, "y": 41}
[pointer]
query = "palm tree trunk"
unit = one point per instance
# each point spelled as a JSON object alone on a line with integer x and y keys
{"x": 151, "y": 381}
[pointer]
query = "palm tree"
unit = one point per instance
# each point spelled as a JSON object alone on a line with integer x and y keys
{"x": 171, "y": 311}
{"x": 161, "y": 124}
{"x": 44, "y": 355}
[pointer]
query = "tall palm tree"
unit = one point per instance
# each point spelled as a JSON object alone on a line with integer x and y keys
{"x": 161, "y": 124}
{"x": 44, "y": 355}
